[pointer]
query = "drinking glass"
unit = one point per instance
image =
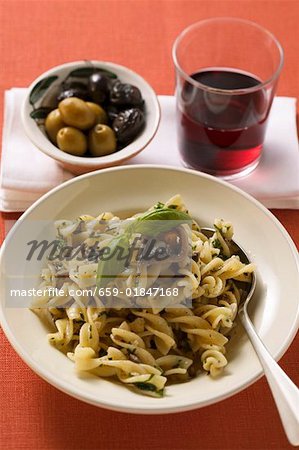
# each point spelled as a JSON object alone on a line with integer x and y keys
{"x": 226, "y": 75}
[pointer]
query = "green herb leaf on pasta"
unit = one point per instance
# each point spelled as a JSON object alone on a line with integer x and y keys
{"x": 119, "y": 247}
{"x": 114, "y": 262}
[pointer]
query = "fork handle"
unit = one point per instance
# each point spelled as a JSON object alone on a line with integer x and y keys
{"x": 284, "y": 391}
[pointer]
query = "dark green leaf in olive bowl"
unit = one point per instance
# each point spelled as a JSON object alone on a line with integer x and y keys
{"x": 40, "y": 88}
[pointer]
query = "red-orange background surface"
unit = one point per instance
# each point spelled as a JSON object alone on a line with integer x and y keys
{"x": 35, "y": 35}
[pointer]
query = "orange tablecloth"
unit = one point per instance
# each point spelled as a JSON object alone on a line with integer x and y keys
{"x": 35, "y": 35}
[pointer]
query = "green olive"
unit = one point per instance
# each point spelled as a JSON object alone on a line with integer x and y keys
{"x": 76, "y": 113}
{"x": 73, "y": 141}
{"x": 101, "y": 140}
{"x": 99, "y": 112}
{"x": 53, "y": 124}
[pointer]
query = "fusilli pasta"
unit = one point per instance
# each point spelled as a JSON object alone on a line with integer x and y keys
{"x": 156, "y": 343}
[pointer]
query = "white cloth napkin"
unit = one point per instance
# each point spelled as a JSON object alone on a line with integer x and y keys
{"x": 26, "y": 173}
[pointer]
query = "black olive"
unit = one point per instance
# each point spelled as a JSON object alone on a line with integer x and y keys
{"x": 98, "y": 87}
{"x": 125, "y": 94}
{"x": 73, "y": 92}
{"x": 112, "y": 112}
{"x": 128, "y": 124}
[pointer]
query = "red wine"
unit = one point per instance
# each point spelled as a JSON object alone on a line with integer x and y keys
{"x": 222, "y": 132}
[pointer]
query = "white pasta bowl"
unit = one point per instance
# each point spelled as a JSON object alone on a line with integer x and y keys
{"x": 275, "y": 309}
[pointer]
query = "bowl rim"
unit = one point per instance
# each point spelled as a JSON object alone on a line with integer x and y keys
{"x": 62, "y": 385}
{"x": 101, "y": 161}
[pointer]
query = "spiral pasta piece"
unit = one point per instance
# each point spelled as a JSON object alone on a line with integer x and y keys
{"x": 213, "y": 362}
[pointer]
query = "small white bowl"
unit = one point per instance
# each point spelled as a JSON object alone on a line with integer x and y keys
{"x": 275, "y": 308}
{"x": 47, "y": 83}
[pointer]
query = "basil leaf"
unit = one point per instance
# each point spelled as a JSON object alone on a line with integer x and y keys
{"x": 40, "y": 88}
{"x": 167, "y": 217}
{"x": 115, "y": 262}
{"x": 164, "y": 214}
{"x": 149, "y": 229}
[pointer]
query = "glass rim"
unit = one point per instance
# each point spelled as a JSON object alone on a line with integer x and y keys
{"x": 198, "y": 84}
